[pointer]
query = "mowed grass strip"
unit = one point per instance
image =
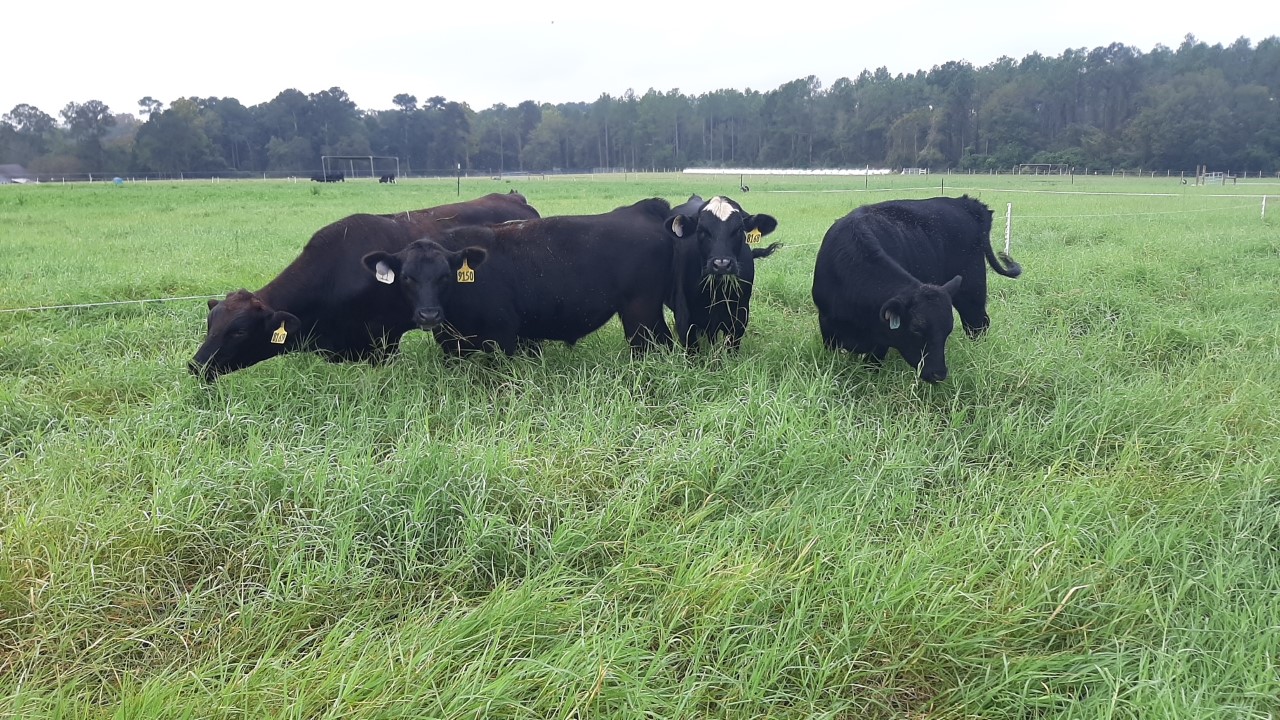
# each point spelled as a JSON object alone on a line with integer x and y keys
{"x": 1082, "y": 521}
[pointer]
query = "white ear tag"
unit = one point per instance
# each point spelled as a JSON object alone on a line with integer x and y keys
{"x": 677, "y": 226}
{"x": 384, "y": 273}
{"x": 894, "y": 321}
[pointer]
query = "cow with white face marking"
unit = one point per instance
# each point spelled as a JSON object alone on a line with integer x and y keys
{"x": 714, "y": 267}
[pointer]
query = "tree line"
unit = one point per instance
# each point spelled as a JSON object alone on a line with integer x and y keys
{"x": 1109, "y": 107}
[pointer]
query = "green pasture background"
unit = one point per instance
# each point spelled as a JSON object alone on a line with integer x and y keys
{"x": 1082, "y": 521}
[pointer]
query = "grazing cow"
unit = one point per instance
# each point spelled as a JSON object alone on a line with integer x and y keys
{"x": 388, "y": 178}
{"x": 714, "y": 268}
{"x": 328, "y": 177}
{"x": 888, "y": 274}
{"x": 557, "y": 278}
{"x": 325, "y": 302}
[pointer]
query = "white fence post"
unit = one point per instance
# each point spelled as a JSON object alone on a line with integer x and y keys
{"x": 1264, "y": 207}
{"x": 1008, "y": 227}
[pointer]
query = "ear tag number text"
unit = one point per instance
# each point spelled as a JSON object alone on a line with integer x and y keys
{"x": 754, "y": 236}
{"x": 279, "y": 335}
{"x": 465, "y": 273}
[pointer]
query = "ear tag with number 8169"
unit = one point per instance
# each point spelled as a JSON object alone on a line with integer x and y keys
{"x": 465, "y": 273}
{"x": 754, "y": 236}
{"x": 278, "y": 336}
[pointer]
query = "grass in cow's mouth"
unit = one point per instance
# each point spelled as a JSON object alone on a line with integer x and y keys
{"x": 1081, "y": 521}
{"x": 725, "y": 285}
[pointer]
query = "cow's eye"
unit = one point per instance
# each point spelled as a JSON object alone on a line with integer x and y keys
{"x": 239, "y": 332}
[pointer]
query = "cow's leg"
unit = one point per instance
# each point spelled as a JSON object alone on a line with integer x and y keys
{"x": 738, "y": 326}
{"x": 973, "y": 316}
{"x": 831, "y": 335}
{"x": 502, "y": 336}
{"x": 970, "y": 303}
{"x": 644, "y": 324}
{"x": 872, "y": 355}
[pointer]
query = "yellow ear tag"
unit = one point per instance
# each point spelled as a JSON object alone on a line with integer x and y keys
{"x": 465, "y": 273}
{"x": 277, "y": 337}
{"x": 754, "y": 236}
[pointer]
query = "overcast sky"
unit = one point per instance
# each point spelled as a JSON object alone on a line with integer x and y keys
{"x": 497, "y": 51}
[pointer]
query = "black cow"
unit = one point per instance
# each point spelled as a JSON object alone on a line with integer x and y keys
{"x": 388, "y": 178}
{"x": 323, "y": 301}
{"x": 328, "y": 177}
{"x": 887, "y": 276}
{"x": 557, "y": 278}
{"x": 714, "y": 268}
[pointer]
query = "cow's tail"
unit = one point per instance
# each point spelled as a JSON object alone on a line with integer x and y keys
{"x": 764, "y": 252}
{"x": 1010, "y": 269}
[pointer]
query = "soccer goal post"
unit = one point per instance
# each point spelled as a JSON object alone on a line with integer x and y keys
{"x": 352, "y": 166}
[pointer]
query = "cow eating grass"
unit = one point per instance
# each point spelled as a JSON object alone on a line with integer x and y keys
{"x": 887, "y": 276}
{"x": 714, "y": 268}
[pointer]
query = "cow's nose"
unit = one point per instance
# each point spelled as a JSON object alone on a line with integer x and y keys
{"x": 204, "y": 372}
{"x": 721, "y": 264}
{"x": 427, "y": 317}
{"x": 936, "y": 376}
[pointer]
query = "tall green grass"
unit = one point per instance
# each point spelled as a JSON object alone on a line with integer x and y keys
{"x": 1082, "y": 521}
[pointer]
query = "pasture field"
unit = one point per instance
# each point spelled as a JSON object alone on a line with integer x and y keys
{"x": 1082, "y": 521}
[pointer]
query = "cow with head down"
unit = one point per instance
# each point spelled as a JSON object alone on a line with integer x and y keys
{"x": 888, "y": 275}
{"x": 325, "y": 302}
{"x": 714, "y": 268}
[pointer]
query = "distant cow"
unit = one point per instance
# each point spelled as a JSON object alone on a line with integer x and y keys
{"x": 389, "y": 178}
{"x": 325, "y": 302}
{"x": 328, "y": 177}
{"x": 557, "y": 278}
{"x": 887, "y": 276}
{"x": 714, "y": 268}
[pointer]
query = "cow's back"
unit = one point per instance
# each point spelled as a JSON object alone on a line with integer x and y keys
{"x": 933, "y": 239}
{"x": 560, "y": 278}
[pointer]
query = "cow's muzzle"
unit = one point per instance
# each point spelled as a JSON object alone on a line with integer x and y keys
{"x": 205, "y": 372}
{"x": 721, "y": 266}
{"x": 428, "y": 318}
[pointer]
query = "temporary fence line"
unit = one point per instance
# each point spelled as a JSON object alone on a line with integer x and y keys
{"x": 1156, "y": 212}
{"x": 1010, "y": 190}
{"x": 100, "y": 304}
{"x": 849, "y": 190}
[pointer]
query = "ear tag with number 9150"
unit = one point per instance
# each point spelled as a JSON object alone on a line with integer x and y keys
{"x": 465, "y": 273}
{"x": 754, "y": 236}
{"x": 277, "y": 337}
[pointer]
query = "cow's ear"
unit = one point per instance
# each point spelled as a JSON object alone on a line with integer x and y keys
{"x": 282, "y": 325}
{"x": 891, "y": 313}
{"x": 680, "y": 225}
{"x": 213, "y": 303}
{"x": 474, "y": 255}
{"x": 764, "y": 224}
{"x": 465, "y": 262}
{"x": 952, "y": 286}
{"x": 383, "y": 265}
